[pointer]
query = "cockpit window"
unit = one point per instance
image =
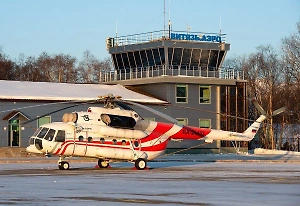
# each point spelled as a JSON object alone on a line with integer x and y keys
{"x": 49, "y": 136}
{"x": 43, "y": 132}
{"x": 31, "y": 141}
{"x": 37, "y": 131}
{"x": 60, "y": 137}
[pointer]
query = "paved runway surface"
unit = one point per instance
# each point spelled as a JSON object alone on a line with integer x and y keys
{"x": 167, "y": 182}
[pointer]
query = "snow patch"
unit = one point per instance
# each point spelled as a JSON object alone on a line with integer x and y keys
{"x": 260, "y": 151}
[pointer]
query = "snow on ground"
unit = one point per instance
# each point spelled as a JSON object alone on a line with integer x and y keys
{"x": 261, "y": 151}
{"x": 167, "y": 183}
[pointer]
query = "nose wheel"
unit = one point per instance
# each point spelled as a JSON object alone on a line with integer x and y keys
{"x": 63, "y": 165}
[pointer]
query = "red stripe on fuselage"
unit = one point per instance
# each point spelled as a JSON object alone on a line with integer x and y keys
{"x": 160, "y": 129}
{"x": 154, "y": 136}
{"x": 193, "y": 133}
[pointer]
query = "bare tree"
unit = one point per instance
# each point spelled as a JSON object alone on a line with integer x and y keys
{"x": 291, "y": 57}
{"x": 64, "y": 68}
{"x": 7, "y": 67}
{"x": 263, "y": 70}
{"x": 44, "y": 64}
{"x": 90, "y": 68}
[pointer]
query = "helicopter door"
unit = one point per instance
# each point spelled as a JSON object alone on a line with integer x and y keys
{"x": 60, "y": 138}
{"x": 87, "y": 139}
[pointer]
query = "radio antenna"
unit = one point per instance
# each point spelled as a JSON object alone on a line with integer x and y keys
{"x": 164, "y": 17}
{"x": 116, "y": 29}
{"x": 169, "y": 22}
{"x": 220, "y": 25}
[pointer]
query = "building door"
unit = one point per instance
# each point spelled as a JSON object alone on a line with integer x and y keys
{"x": 14, "y": 133}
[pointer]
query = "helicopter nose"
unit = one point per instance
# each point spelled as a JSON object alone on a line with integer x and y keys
{"x": 33, "y": 149}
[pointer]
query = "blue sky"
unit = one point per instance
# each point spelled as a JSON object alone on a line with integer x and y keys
{"x": 74, "y": 26}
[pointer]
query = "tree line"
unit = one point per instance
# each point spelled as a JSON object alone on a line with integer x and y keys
{"x": 58, "y": 68}
{"x": 274, "y": 81}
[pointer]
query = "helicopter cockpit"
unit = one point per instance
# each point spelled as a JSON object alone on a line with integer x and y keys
{"x": 42, "y": 134}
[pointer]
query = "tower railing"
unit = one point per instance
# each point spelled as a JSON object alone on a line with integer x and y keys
{"x": 166, "y": 35}
{"x": 161, "y": 71}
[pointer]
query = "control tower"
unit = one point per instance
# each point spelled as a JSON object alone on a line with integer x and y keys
{"x": 173, "y": 51}
{"x": 184, "y": 69}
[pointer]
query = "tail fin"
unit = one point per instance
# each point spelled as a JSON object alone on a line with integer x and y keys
{"x": 252, "y": 130}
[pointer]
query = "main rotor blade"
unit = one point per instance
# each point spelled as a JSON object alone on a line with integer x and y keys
{"x": 123, "y": 105}
{"x": 259, "y": 107}
{"x": 278, "y": 111}
{"x": 167, "y": 117}
{"x": 75, "y": 105}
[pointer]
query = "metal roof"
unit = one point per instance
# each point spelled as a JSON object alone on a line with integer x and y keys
{"x": 24, "y": 90}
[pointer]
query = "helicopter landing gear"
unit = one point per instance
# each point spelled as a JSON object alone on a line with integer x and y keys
{"x": 103, "y": 163}
{"x": 140, "y": 164}
{"x": 63, "y": 165}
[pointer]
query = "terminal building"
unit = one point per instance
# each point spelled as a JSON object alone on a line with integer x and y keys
{"x": 184, "y": 69}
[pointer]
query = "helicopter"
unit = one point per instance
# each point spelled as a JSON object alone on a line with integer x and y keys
{"x": 115, "y": 132}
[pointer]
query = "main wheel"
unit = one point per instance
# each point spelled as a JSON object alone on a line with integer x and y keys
{"x": 140, "y": 164}
{"x": 63, "y": 165}
{"x": 102, "y": 163}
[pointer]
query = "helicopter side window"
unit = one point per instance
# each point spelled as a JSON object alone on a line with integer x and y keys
{"x": 114, "y": 141}
{"x": 102, "y": 140}
{"x": 49, "y": 136}
{"x": 43, "y": 132}
{"x": 123, "y": 142}
{"x": 60, "y": 137}
{"x": 80, "y": 138}
{"x": 90, "y": 139}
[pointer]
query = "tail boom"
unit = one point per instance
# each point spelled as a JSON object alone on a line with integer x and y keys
{"x": 247, "y": 135}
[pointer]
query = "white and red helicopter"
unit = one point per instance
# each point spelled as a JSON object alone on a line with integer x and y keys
{"x": 116, "y": 133}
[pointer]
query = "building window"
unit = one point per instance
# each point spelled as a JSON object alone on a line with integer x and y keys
{"x": 181, "y": 93}
{"x": 205, "y": 123}
{"x": 204, "y": 94}
{"x": 182, "y": 121}
{"x": 43, "y": 120}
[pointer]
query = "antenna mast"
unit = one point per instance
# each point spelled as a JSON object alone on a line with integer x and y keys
{"x": 164, "y": 17}
{"x": 116, "y": 29}
{"x": 220, "y": 25}
{"x": 169, "y": 22}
